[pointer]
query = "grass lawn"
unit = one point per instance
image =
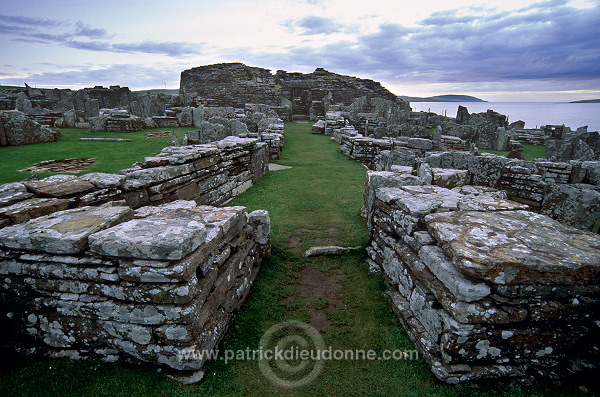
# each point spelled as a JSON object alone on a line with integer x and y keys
{"x": 317, "y": 202}
{"x": 530, "y": 152}
{"x": 110, "y": 156}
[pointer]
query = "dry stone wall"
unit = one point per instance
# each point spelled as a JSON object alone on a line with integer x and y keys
{"x": 566, "y": 191}
{"x": 210, "y": 174}
{"x": 235, "y": 84}
{"x": 156, "y": 283}
{"x": 112, "y": 264}
{"x": 484, "y": 287}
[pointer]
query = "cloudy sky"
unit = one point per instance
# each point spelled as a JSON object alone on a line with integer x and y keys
{"x": 508, "y": 50}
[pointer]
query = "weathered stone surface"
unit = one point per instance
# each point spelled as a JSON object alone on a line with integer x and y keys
{"x": 103, "y": 180}
{"x": 485, "y": 202}
{"x": 155, "y": 237}
{"x": 420, "y": 143}
{"x": 33, "y": 208}
{"x": 262, "y": 230}
{"x": 19, "y": 129}
{"x": 449, "y": 178}
{"x": 59, "y": 186}
{"x": 464, "y": 289}
{"x": 505, "y": 247}
{"x": 64, "y": 232}
{"x": 577, "y": 205}
{"x": 13, "y": 192}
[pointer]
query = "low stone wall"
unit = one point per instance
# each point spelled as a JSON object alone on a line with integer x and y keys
{"x": 568, "y": 192}
{"x": 210, "y": 174}
{"x": 158, "y": 283}
{"x": 116, "y": 120}
{"x": 485, "y": 288}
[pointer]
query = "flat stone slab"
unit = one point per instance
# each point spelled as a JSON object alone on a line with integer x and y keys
{"x": 516, "y": 247}
{"x": 156, "y": 237}
{"x": 33, "y": 208}
{"x": 59, "y": 186}
{"x": 104, "y": 180}
{"x": 328, "y": 250}
{"x": 64, "y": 232}
{"x": 278, "y": 167}
{"x": 462, "y": 288}
{"x": 12, "y": 192}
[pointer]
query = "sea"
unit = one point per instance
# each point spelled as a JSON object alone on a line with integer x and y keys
{"x": 534, "y": 114}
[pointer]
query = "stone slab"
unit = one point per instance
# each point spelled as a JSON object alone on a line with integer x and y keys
{"x": 156, "y": 237}
{"x": 517, "y": 247}
{"x": 12, "y": 192}
{"x": 59, "y": 186}
{"x": 462, "y": 288}
{"x": 33, "y": 208}
{"x": 103, "y": 180}
{"x": 64, "y": 232}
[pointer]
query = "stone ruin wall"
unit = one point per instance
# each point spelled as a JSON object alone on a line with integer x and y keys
{"x": 210, "y": 174}
{"x": 484, "y": 287}
{"x": 87, "y": 269}
{"x": 234, "y": 84}
{"x": 566, "y": 191}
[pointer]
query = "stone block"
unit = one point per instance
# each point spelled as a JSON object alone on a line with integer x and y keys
{"x": 33, "y": 208}
{"x": 462, "y": 288}
{"x": 10, "y": 193}
{"x": 503, "y": 247}
{"x": 103, "y": 180}
{"x": 449, "y": 178}
{"x": 64, "y": 232}
{"x": 420, "y": 143}
{"x": 59, "y": 186}
{"x": 155, "y": 237}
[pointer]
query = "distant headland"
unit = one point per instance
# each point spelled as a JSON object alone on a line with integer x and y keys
{"x": 587, "y": 101}
{"x": 442, "y": 98}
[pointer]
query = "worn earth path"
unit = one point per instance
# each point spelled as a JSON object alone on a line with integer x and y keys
{"x": 317, "y": 202}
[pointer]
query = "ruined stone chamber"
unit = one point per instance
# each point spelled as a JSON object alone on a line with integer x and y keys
{"x": 484, "y": 287}
{"x": 154, "y": 283}
{"x": 124, "y": 264}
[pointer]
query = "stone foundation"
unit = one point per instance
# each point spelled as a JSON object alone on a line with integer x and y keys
{"x": 485, "y": 288}
{"x": 158, "y": 283}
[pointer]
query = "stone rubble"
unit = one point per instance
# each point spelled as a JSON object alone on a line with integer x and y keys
{"x": 18, "y": 129}
{"x": 158, "y": 284}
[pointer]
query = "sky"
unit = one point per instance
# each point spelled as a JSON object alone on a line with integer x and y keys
{"x": 504, "y": 51}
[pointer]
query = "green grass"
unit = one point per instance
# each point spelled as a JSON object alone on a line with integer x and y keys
{"x": 317, "y": 201}
{"x": 110, "y": 156}
{"x": 530, "y": 152}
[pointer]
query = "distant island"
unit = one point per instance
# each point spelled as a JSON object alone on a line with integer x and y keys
{"x": 442, "y": 98}
{"x": 158, "y": 91}
{"x": 587, "y": 101}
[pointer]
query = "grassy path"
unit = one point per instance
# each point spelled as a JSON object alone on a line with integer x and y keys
{"x": 316, "y": 202}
